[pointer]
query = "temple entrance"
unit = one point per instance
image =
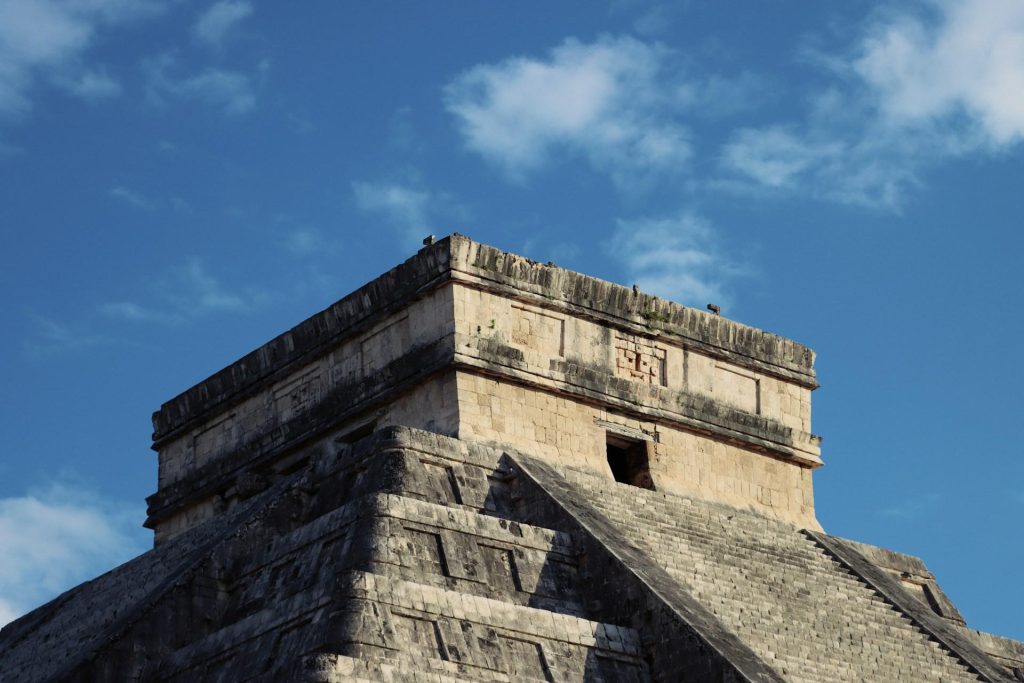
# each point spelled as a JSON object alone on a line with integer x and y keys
{"x": 629, "y": 461}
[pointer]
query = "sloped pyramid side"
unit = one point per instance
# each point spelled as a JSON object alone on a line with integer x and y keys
{"x": 392, "y": 560}
{"x": 418, "y": 557}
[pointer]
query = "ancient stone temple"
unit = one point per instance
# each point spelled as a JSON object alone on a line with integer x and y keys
{"x": 478, "y": 467}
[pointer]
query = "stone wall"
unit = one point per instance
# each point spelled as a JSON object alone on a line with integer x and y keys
{"x": 546, "y": 334}
{"x": 574, "y": 434}
{"x": 357, "y": 358}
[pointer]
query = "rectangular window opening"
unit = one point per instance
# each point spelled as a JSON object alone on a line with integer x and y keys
{"x": 629, "y": 461}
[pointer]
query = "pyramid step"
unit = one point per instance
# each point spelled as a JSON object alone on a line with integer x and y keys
{"x": 333, "y": 668}
{"x": 405, "y": 625}
{"x": 476, "y": 554}
{"x": 409, "y": 539}
{"x": 395, "y": 619}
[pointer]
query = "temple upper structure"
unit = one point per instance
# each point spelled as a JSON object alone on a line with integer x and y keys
{"x": 472, "y": 342}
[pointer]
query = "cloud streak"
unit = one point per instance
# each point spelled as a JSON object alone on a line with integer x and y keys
{"x": 413, "y": 211}
{"x": 130, "y": 197}
{"x": 219, "y": 19}
{"x": 46, "y": 41}
{"x": 233, "y": 92}
{"x": 51, "y": 336}
{"x": 190, "y": 291}
{"x": 911, "y": 508}
{"x": 919, "y": 86}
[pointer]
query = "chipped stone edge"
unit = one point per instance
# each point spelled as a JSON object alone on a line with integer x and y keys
{"x": 923, "y": 617}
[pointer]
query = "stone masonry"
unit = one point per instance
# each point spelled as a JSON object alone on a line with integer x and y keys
{"x": 481, "y": 468}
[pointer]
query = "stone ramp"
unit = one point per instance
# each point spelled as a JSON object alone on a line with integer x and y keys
{"x": 798, "y": 609}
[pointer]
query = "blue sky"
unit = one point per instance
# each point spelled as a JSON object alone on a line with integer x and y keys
{"x": 180, "y": 181}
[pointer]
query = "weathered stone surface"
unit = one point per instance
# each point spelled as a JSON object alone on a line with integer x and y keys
{"x": 478, "y": 467}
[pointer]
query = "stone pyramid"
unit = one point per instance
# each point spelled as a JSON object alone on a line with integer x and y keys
{"x": 481, "y": 468}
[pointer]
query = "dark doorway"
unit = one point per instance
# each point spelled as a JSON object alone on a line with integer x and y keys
{"x": 629, "y": 461}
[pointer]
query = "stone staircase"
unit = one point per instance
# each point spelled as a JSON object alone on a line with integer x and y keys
{"x": 799, "y": 609}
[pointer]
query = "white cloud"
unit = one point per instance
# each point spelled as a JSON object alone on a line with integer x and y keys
{"x": 967, "y": 60}
{"x": 916, "y": 89}
{"x": 608, "y": 102}
{"x": 52, "y": 539}
{"x": 219, "y": 18}
{"x": 231, "y": 91}
{"x": 415, "y": 212}
{"x": 47, "y": 40}
{"x": 676, "y": 257}
{"x": 190, "y": 291}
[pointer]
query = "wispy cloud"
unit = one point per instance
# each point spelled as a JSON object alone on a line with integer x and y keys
{"x": 304, "y": 241}
{"x": 415, "y": 212}
{"x": 913, "y": 507}
{"x": 676, "y": 257}
{"x": 920, "y": 85}
{"x": 47, "y": 41}
{"x": 610, "y": 102}
{"x": 649, "y": 17}
{"x": 214, "y": 24}
{"x": 190, "y": 291}
{"x": 128, "y": 310}
{"x": 56, "y": 537}
{"x": 401, "y": 132}
{"x": 48, "y": 336}
{"x": 131, "y": 197}
{"x": 233, "y": 92}
{"x": 777, "y": 157}
{"x": 92, "y": 85}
